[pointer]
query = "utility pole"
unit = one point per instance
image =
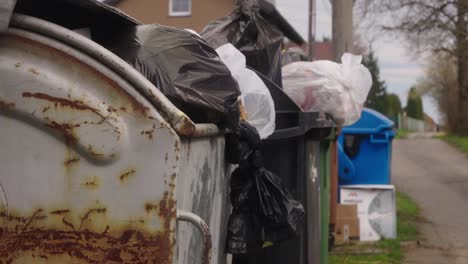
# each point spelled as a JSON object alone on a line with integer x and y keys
{"x": 342, "y": 31}
{"x": 312, "y": 15}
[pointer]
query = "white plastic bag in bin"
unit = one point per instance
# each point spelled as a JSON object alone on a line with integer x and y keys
{"x": 255, "y": 96}
{"x": 337, "y": 89}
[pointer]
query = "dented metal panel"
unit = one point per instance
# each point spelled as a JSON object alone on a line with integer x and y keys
{"x": 178, "y": 120}
{"x": 88, "y": 167}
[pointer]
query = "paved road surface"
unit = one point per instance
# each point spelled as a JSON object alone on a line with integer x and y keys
{"x": 435, "y": 175}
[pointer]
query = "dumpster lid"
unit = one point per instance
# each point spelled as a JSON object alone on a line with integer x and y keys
{"x": 371, "y": 121}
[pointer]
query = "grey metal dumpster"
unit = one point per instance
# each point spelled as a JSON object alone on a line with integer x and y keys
{"x": 96, "y": 165}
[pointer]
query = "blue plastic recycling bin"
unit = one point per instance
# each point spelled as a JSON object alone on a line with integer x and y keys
{"x": 365, "y": 150}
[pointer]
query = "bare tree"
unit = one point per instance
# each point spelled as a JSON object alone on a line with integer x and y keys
{"x": 440, "y": 81}
{"x": 437, "y": 26}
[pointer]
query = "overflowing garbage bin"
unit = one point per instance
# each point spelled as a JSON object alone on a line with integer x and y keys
{"x": 365, "y": 150}
{"x": 299, "y": 152}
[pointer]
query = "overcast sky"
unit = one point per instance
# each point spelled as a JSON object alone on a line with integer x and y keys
{"x": 399, "y": 70}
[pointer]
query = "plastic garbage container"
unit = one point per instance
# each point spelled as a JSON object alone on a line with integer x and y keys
{"x": 299, "y": 152}
{"x": 365, "y": 150}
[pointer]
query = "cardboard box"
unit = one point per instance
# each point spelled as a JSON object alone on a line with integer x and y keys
{"x": 346, "y": 211}
{"x": 347, "y": 229}
{"x": 376, "y": 209}
{"x": 347, "y": 223}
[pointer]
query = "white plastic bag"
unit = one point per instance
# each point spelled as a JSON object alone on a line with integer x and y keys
{"x": 337, "y": 89}
{"x": 255, "y": 96}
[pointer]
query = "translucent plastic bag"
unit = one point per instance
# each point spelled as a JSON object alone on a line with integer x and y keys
{"x": 337, "y": 89}
{"x": 255, "y": 96}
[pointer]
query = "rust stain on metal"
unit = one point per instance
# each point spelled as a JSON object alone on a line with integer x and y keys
{"x": 45, "y": 109}
{"x": 13, "y": 218}
{"x": 111, "y": 109}
{"x": 177, "y": 150}
{"x": 208, "y": 246}
{"x": 60, "y": 212}
{"x": 65, "y": 222}
{"x": 132, "y": 247}
{"x": 66, "y": 130}
{"x": 90, "y": 212}
{"x": 149, "y": 133}
{"x": 91, "y": 183}
{"x": 6, "y": 105}
{"x": 189, "y": 147}
{"x": 167, "y": 209}
{"x": 65, "y": 102}
{"x": 127, "y": 174}
{"x": 187, "y": 128}
{"x": 176, "y": 146}
{"x": 136, "y": 105}
{"x": 71, "y": 161}
{"x": 37, "y": 215}
{"x": 151, "y": 207}
{"x": 33, "y": 71}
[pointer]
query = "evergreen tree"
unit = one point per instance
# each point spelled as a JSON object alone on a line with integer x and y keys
{"x": 414, "y": 106}
{"x": 377, "y": 96}
{"x": 393, "y": 106}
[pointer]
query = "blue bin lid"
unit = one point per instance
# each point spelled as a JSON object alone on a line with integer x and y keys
{"x": 370, "y": 122}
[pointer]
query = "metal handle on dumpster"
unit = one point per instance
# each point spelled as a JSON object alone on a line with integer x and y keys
{"x": 194, "y": 219}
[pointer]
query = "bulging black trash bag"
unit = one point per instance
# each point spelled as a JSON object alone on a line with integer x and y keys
{"x": 238, "y": 225}
{"x": 250, "y": 32}
{"x": 184, "y": 67}
{"x": 280, "y": 214}
{"x": 264, "y": 212}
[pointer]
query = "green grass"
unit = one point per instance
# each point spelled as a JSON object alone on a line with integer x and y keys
{"x": 401, "y": 133}
{"x": 386, "y": 251}
{"x": 459, "y": 142}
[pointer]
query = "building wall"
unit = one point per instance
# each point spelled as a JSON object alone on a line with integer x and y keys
{"x": 157, "y": 11}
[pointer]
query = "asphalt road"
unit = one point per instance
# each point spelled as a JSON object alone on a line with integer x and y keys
{"x": 435, "y": 175}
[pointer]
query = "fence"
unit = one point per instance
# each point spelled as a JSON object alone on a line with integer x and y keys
{"x": 410, "y": 124}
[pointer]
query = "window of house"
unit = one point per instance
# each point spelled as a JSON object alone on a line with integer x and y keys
{"x": 180, "y": 7}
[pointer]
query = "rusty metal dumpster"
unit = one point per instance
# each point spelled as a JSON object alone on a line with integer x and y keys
{"x": 96, "y": 165}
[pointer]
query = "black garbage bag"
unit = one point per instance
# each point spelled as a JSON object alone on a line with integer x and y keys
{"x": 241, "y": 143}
{"x": 238, "y": 225}
{"x": 250, "y": 32}
{"x": 280, "y": 213}
{"x": 264, "y": 212}
{"x": 184, "y": 67}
